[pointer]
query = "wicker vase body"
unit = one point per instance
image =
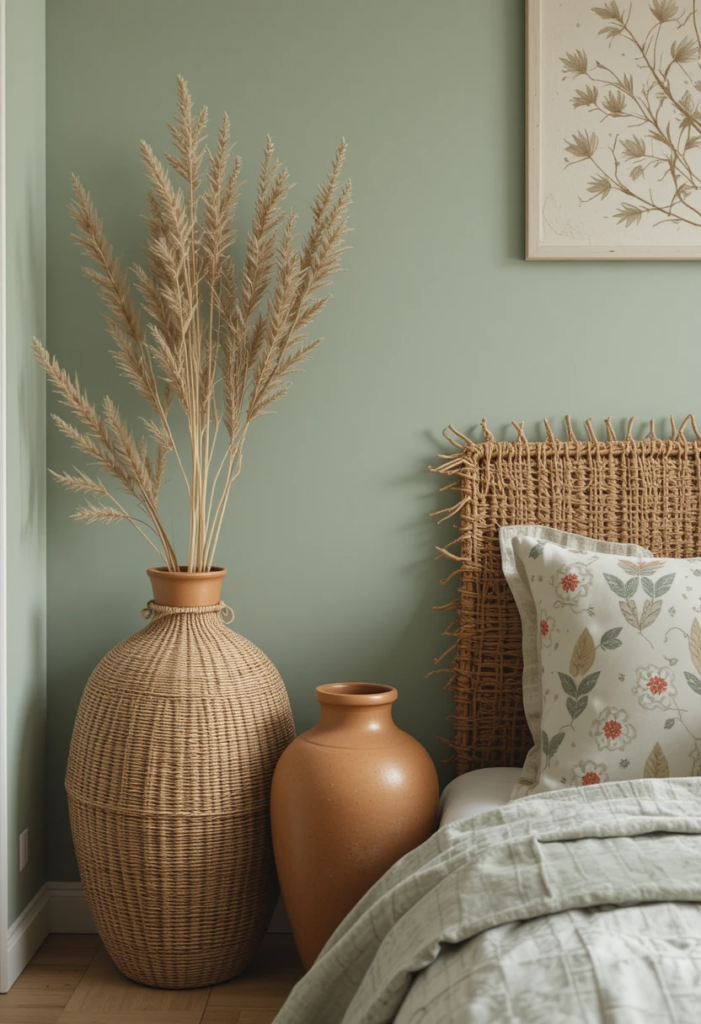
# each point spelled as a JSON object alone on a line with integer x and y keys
{"x": 168, "y": 780}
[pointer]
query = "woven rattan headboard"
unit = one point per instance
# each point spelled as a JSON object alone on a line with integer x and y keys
{"x": 645, "y": 492}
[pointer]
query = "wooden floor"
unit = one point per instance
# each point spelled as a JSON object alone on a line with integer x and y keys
{"x": 71, "y": 980}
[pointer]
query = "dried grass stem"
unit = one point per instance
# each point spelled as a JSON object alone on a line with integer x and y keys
{"x": 222, "y": 345}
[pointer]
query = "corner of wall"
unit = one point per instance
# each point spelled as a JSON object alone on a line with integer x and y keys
{"x": 24, "y": 902}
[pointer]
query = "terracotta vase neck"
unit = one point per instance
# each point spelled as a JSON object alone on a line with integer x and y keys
{"x": 186, "y": 589}
{"x": 354, "y": 715}
{"x": 368, "y": 719}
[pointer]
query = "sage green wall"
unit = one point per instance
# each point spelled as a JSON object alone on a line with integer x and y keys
{"x": 25, "y": 84}
{"x": 329, "y": 544}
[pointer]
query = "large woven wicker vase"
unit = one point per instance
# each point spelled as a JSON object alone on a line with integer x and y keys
{"x": 176, "y": 739}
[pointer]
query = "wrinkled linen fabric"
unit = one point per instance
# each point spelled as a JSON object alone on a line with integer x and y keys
{"x": 572, "y": 905}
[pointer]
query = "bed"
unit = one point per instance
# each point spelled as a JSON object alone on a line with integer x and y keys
{"x": 575, "y": 904}
{"x": 475, "y": 792}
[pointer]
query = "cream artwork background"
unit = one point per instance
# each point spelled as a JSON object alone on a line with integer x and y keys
{"x": 615, "y": 101}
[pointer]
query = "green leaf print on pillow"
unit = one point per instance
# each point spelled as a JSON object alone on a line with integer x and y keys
{"x": 550, "y": 746}
{"x": 581, "y": 661}
{"x": 610, "y": 641}
{"x": 622, "y": 588}
{"x": 694, "y": 682}
{"x": 658, "y": 589}
{"x": 627, "y": 589}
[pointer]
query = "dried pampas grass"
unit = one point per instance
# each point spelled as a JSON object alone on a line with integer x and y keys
{"x": 219, "y": 342}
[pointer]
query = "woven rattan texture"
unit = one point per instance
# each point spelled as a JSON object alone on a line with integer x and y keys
{"x": 168, "y": 779}
{"x": 644, "y": 492}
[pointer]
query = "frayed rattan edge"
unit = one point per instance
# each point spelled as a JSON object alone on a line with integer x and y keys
{"x": 461, "y": 441}
{"x": 468, "y": 449}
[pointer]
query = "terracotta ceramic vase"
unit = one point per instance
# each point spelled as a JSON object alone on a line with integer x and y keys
{"x": 349, "y": 798}
{"x": 168, "y": 779}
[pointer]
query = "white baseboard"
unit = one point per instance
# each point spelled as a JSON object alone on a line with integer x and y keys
{"x": 68, "y": 910}
{"x": 27, "y": 934}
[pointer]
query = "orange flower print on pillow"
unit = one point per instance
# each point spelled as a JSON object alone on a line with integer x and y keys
{"x": 654, "y": 688}
{"x": 612, "y": 730}
{"x": 546, "y": 629}
{"x": 572, "y": 583}
{"x": 589, "y": 773}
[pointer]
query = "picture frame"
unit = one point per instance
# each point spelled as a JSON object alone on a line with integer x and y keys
{"x": 613, "y": 161}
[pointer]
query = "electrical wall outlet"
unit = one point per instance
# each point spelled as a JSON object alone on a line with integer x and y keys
{"x": 23, "y": 849}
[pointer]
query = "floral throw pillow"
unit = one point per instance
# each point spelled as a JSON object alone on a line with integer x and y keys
{"x": 612, "y": 643}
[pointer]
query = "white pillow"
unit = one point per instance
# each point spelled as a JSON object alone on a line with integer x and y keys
{"x": 612, "y": 659}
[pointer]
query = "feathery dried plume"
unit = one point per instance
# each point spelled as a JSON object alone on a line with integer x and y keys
{"x": 92, "y": 513}
{"x": 81, "y": 482}
{"x": 220, "y": 343}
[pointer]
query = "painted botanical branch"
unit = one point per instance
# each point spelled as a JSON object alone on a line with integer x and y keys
{"x": 220, "y": 343}
{"x": 651, "y": 165}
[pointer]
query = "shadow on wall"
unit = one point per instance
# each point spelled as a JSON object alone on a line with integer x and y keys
{"x": 26, "y": 565}
{"x": 29, "y": 256}
{"x": 410, "y": 664}
{"x": 422, "y": 694}
{"x": 513, "y": 136}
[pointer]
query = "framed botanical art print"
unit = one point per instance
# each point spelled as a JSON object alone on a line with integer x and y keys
{"x": 614, "y": 130}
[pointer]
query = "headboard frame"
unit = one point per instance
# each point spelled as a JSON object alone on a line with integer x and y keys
{"x": 645, "y": 492}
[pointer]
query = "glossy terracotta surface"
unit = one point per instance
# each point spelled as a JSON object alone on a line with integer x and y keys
{"x": 186, "y": 589}
{"x": 349, "y": 798}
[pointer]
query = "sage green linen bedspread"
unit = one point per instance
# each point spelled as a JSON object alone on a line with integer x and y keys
{"x": 579, "y": 905}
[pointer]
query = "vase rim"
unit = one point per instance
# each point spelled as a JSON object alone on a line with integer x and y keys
{"x": 162, "y": 571}
{"x": 356, "y": 694}
{"x": 186, "y": 589}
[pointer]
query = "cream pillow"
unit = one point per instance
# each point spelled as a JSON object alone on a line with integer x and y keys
{"x": 612, "y": 659}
